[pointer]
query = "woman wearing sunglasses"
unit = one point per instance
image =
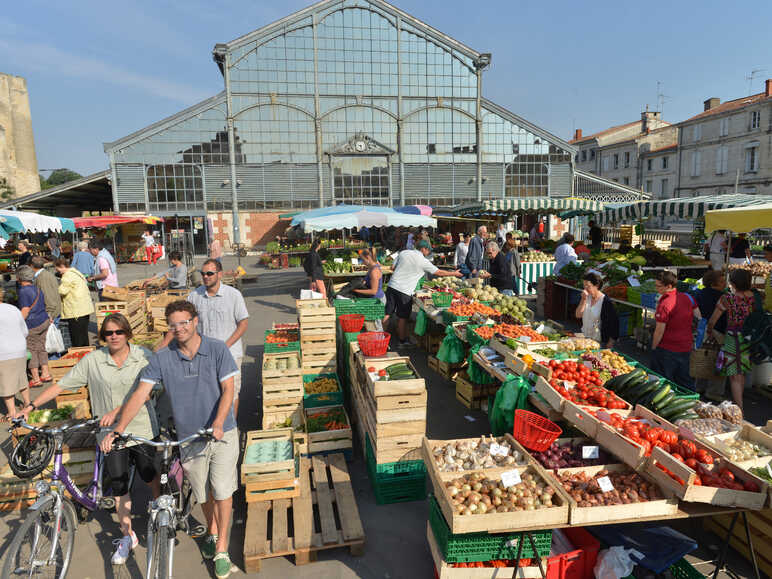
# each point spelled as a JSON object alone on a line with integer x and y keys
{"x": 112, "y": 373}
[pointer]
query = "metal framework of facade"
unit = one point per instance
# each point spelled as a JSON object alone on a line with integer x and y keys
{"x": 346, "y": 101}
{"x": 589, "y": 186}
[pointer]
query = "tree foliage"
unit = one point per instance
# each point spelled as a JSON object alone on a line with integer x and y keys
{"x": 58, "y": 177}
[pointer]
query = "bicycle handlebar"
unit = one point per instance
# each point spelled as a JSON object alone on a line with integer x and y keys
{"x": 202, "y": 433}
{"x": 21, "y": 422}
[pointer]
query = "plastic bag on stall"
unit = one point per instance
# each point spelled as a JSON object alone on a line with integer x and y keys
{"x": 54, "y": 340}
{"x": 452, "y": 349}
{"x": 420, "y": 323}
{"x": 512, "y": 395}
{"x": 476, "y": 374}
{"x": 616, "y": 562}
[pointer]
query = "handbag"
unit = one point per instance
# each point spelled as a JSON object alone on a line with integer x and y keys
{"x": 702, "y": 361}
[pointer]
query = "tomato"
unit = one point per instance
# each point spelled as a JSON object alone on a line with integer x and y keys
{"x": 691, "y": 463}
{"x": 663, "y": 445}
{"x": 669, "y": 436}
{"x": 371, "y": 369}
{"x": 382, "y": 372}
{"x": 703, "y": 456}
{"x": 750, "y": 486}
{"x": 726, "y": 474}
{"x": 646, "y": 447}
{"x": 652, "y": 434}
{"x": 678, "y": 457}
{"x": 697, "y": 481}
{"x": 687, "y": 448}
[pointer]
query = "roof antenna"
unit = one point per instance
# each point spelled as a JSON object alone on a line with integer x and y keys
{"x": 754, "y": 73}
{"x": 661, "y": 98}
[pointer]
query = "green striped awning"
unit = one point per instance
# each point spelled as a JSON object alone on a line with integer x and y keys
{"x": 683, "y": 208}
{"x": 542, "y": 205}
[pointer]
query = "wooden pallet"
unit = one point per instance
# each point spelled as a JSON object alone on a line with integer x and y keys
{"x": 324, "y": 516}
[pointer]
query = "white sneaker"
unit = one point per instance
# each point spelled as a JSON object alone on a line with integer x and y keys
{"x": 124, "y": 546}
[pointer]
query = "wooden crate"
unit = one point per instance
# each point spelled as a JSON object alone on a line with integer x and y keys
{"x": 265, "y": 481}
{"x": 760, "y": 524}
{"x": 156, "y": 305}
{"x": 496, "y": 522}
{"x": 318, "y": 341}
{"x": 147, "y": 339}
{"x": 110, "y": 292}
{"x": 60, "y": 367}
{"x": 287, "y": 372}
{"x": 328, "y": 440}
{"x": 315, "y": 314}
{"x": 279, "y": 413}
{"x": 325, "y": 488}
{"x": 621, "y": 446}
{"x": 470, "y": 394}
{"x": 106, "y": 308}
{"x": 319, "y": 363}
{"x": 748, "y": 433}
{"x": 81, "y": 407}
{"x": 664, "y": 507}
{"x": 16, "y": 493}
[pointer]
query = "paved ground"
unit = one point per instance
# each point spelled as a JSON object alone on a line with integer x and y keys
{"x": 396, "y": 534}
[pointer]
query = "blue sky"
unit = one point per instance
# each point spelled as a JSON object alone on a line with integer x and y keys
{"x": 97, "y": 71}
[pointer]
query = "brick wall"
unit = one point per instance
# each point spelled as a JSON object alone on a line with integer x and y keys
{"x": 257, "y": 228}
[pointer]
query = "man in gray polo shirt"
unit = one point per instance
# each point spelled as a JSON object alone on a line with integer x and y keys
{"x": 222, "y": 314}
{"x": 197, "y": 373}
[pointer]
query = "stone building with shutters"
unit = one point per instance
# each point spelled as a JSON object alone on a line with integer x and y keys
{"x": 346, "y": 101}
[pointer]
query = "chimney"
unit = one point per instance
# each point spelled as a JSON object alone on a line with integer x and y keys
{"x": 711, "y": 103}
{"x": 647, "y": 117}
{"x": 578, "y": 132}
{"x": 768, "y": 90}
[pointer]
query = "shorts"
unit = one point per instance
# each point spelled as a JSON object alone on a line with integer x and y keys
{"x": 237, "y": 379}
{"x": 117, "y": 465}
{"x": 399, "y": 304}
{"x": 211, "y": 466}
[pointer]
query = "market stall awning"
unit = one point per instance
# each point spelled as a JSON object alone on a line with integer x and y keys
{"x": 541, "y": 205}
{"x": 334, "y": 210}
{"x": 740, "y": 219}
{"x": 366, "y": 218}
{"x": 108, "y": 220}
{"x": 414, "y": 209}
{"x": 26, "y": 221}
{"x": 683, "y": 207}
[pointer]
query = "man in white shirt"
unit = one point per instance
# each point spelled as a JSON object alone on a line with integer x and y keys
{"x": 565, "y": 254}
{"x": 716, "y": 247}
{"x": 461, "y": 250}
{"x": 409, "y": 267}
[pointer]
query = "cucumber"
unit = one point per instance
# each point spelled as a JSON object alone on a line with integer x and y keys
{"x": 629, "y": 377}
{"x": 632, "y": 384}
{"x": 394, "y": 368}
{"x": 677, "y": 408}
{"x": 688, "y": 415}
{"x": 613, "y": 383}
{"x": 646, "y": 399}
{"x": 662, "y": 404}
{"x": 661, "y": 394}
{"x": 645, "y": 388}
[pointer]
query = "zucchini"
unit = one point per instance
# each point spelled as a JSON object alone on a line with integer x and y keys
{"x": 688, "y": 415}
{"x": 677, "y": 408}
{"x": 613, "y": 383}
{"x": 630, "y": 377}
{"x": 632, "y": 385}
{"x": 644, "y": 389}
{"x": 663, "y": 403}
{"x": 661, "y": 394}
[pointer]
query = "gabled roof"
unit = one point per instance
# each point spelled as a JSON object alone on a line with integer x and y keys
{"x": 93, "y": 191}
{"x": 288, "y": 21}
{"x": 167, "y": 122}
{"x": 730, "y": 106}
{"x": 521, "y": 122}
{"x": 604, "y": 133}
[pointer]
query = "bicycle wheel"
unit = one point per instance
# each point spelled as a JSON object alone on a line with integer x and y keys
{"x": 32, "y": 545}
{"x": 162, "y": 552}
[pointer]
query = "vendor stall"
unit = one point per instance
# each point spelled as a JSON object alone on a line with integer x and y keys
{"x": 128, "y": 230}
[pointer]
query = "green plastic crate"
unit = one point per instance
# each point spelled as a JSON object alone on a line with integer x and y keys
{"x": 371, "y": 308}
{"x": 683, "y": 570}
{"x": 325, "y": 399}
{"x": 449, "y": 318}
{"x": 269, "y": 348}
{"x": 474, "y": 547}
{"x": 442, "y": 299}
{"x": 473, "y": 338}
{"x": 406, "y": 482}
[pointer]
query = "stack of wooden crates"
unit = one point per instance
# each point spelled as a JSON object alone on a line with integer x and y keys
{"x": 156, "y": 307}
{"x": 282, "y": 390}
{"x": 130, "y": 303}
{"x": 391, "y": 421}
{"x": 317, "y": 336}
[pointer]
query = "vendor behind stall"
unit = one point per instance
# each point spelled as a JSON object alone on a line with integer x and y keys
{"x": 177, "y": 274}
{"x": 599, "y": 317}
{"x": 499, "y": 272}
{"x": 564, "y": 253}
{"x": 25, "y": 256}
{"x": 374, "y": 279}
{"x": 313, "y": 268}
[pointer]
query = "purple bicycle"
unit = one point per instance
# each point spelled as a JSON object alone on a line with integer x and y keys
{"x": 42, "y": 547}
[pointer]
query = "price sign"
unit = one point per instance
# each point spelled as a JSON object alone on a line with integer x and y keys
{"x": 633, "y": 281}
{"x": 354, "y": 261}
{"x": 338, "y": 260}
{"x": 490, "y": 322}
{"x": 499, "y": 450}
{"x": 605, "y": 484}
{"x": 590, "y": 452}
{"x": 525, "y": 339}
{"x": 540, "y": 329}
{"x": 568, "y": 385}
{"x": 510, "y": 478}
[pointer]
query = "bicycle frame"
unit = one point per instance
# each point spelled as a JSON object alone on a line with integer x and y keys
{"x": 93, "y": 493}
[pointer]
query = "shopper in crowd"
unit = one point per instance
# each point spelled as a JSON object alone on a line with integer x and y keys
{"x": 533, "y": 236}
{"x": 13, "y": 358}
{"x": 499, "y": 273}
{"x": 313, "y": 268}
{"x": 596, "y": 236}
{"x": 76, "y": 301}
{"x": 177, "y": 275}
{"x": 22, "y": 248}
{"x": 673, "y": 339}
{"x": 410, "y": 242}
{"x": 598, "y": 314}
{"x": 111, "y": 374}
{"x": 736, "y": 350}
{"x": 215, "y": 250}
{"x": 54, "y": 246}
{"x": 106, "y": 271}
{"x": 198, "y": 374}
{"x": 150, "y": 252}
{"x": 476, "y": 251}
{"x": 223, "y": 315}
{"x": 49, "y": 285}
{"x": 564, "y": 253}
{"x": 768, "y": 281}
{"x": 374, "y": 279}
{"x": 715, "y": 248}
{"x": 32, "y": 303}
{"x": 501, "y": 235}
{"x": 714, "y": 282}
{"x": 364, "y": 235}
{"x": 409, "y": 267}
{"x": 741, "y": 250}
{"x": 514, "y": 263}
{"x": 82, "y": 260}
{"x": 461, "y": 250}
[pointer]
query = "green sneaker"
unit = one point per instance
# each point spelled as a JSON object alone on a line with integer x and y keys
{"x": 208, "y": 549}
{"x": 222, "y": 565}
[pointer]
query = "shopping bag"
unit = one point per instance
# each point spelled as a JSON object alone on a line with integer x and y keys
{"x": 54, "y": 340}
{"x": 512, "y": 395}
{"x": 476, "y": 374}
{"x": 420, "y": 323}
{"x": 452, "y": 349}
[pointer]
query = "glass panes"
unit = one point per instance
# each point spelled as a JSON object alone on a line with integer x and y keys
{"x": 275, "y": 133}
{"x": 342, "y": 124}
{"x": 360, "y": 180}
{"x": 175, "y": 187}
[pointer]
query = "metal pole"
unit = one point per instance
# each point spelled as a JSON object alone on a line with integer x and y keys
{"x": 231, "y": 150}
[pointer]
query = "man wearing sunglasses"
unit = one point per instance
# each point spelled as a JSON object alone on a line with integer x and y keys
{"x": 198, "y": 373}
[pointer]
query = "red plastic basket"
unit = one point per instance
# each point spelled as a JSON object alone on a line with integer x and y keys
{"x": 374, "y": 343}
{"x": 534, "y": 431}
{"x": 352, "y": 322}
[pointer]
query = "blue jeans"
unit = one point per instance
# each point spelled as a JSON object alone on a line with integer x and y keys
{"x": 672, "y": 365}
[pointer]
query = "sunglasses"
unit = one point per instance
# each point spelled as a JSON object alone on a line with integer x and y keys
{"x": 116, "y": 332}
{"x": 208, "y": 273}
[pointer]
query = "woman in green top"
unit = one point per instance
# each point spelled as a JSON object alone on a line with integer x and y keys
{"x": 111, "y": 374}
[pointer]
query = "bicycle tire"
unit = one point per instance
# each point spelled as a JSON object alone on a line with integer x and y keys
{"x": 32, "y": 455}
{"x": 162, "y": 556}
{"x": 46, "y": 512}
